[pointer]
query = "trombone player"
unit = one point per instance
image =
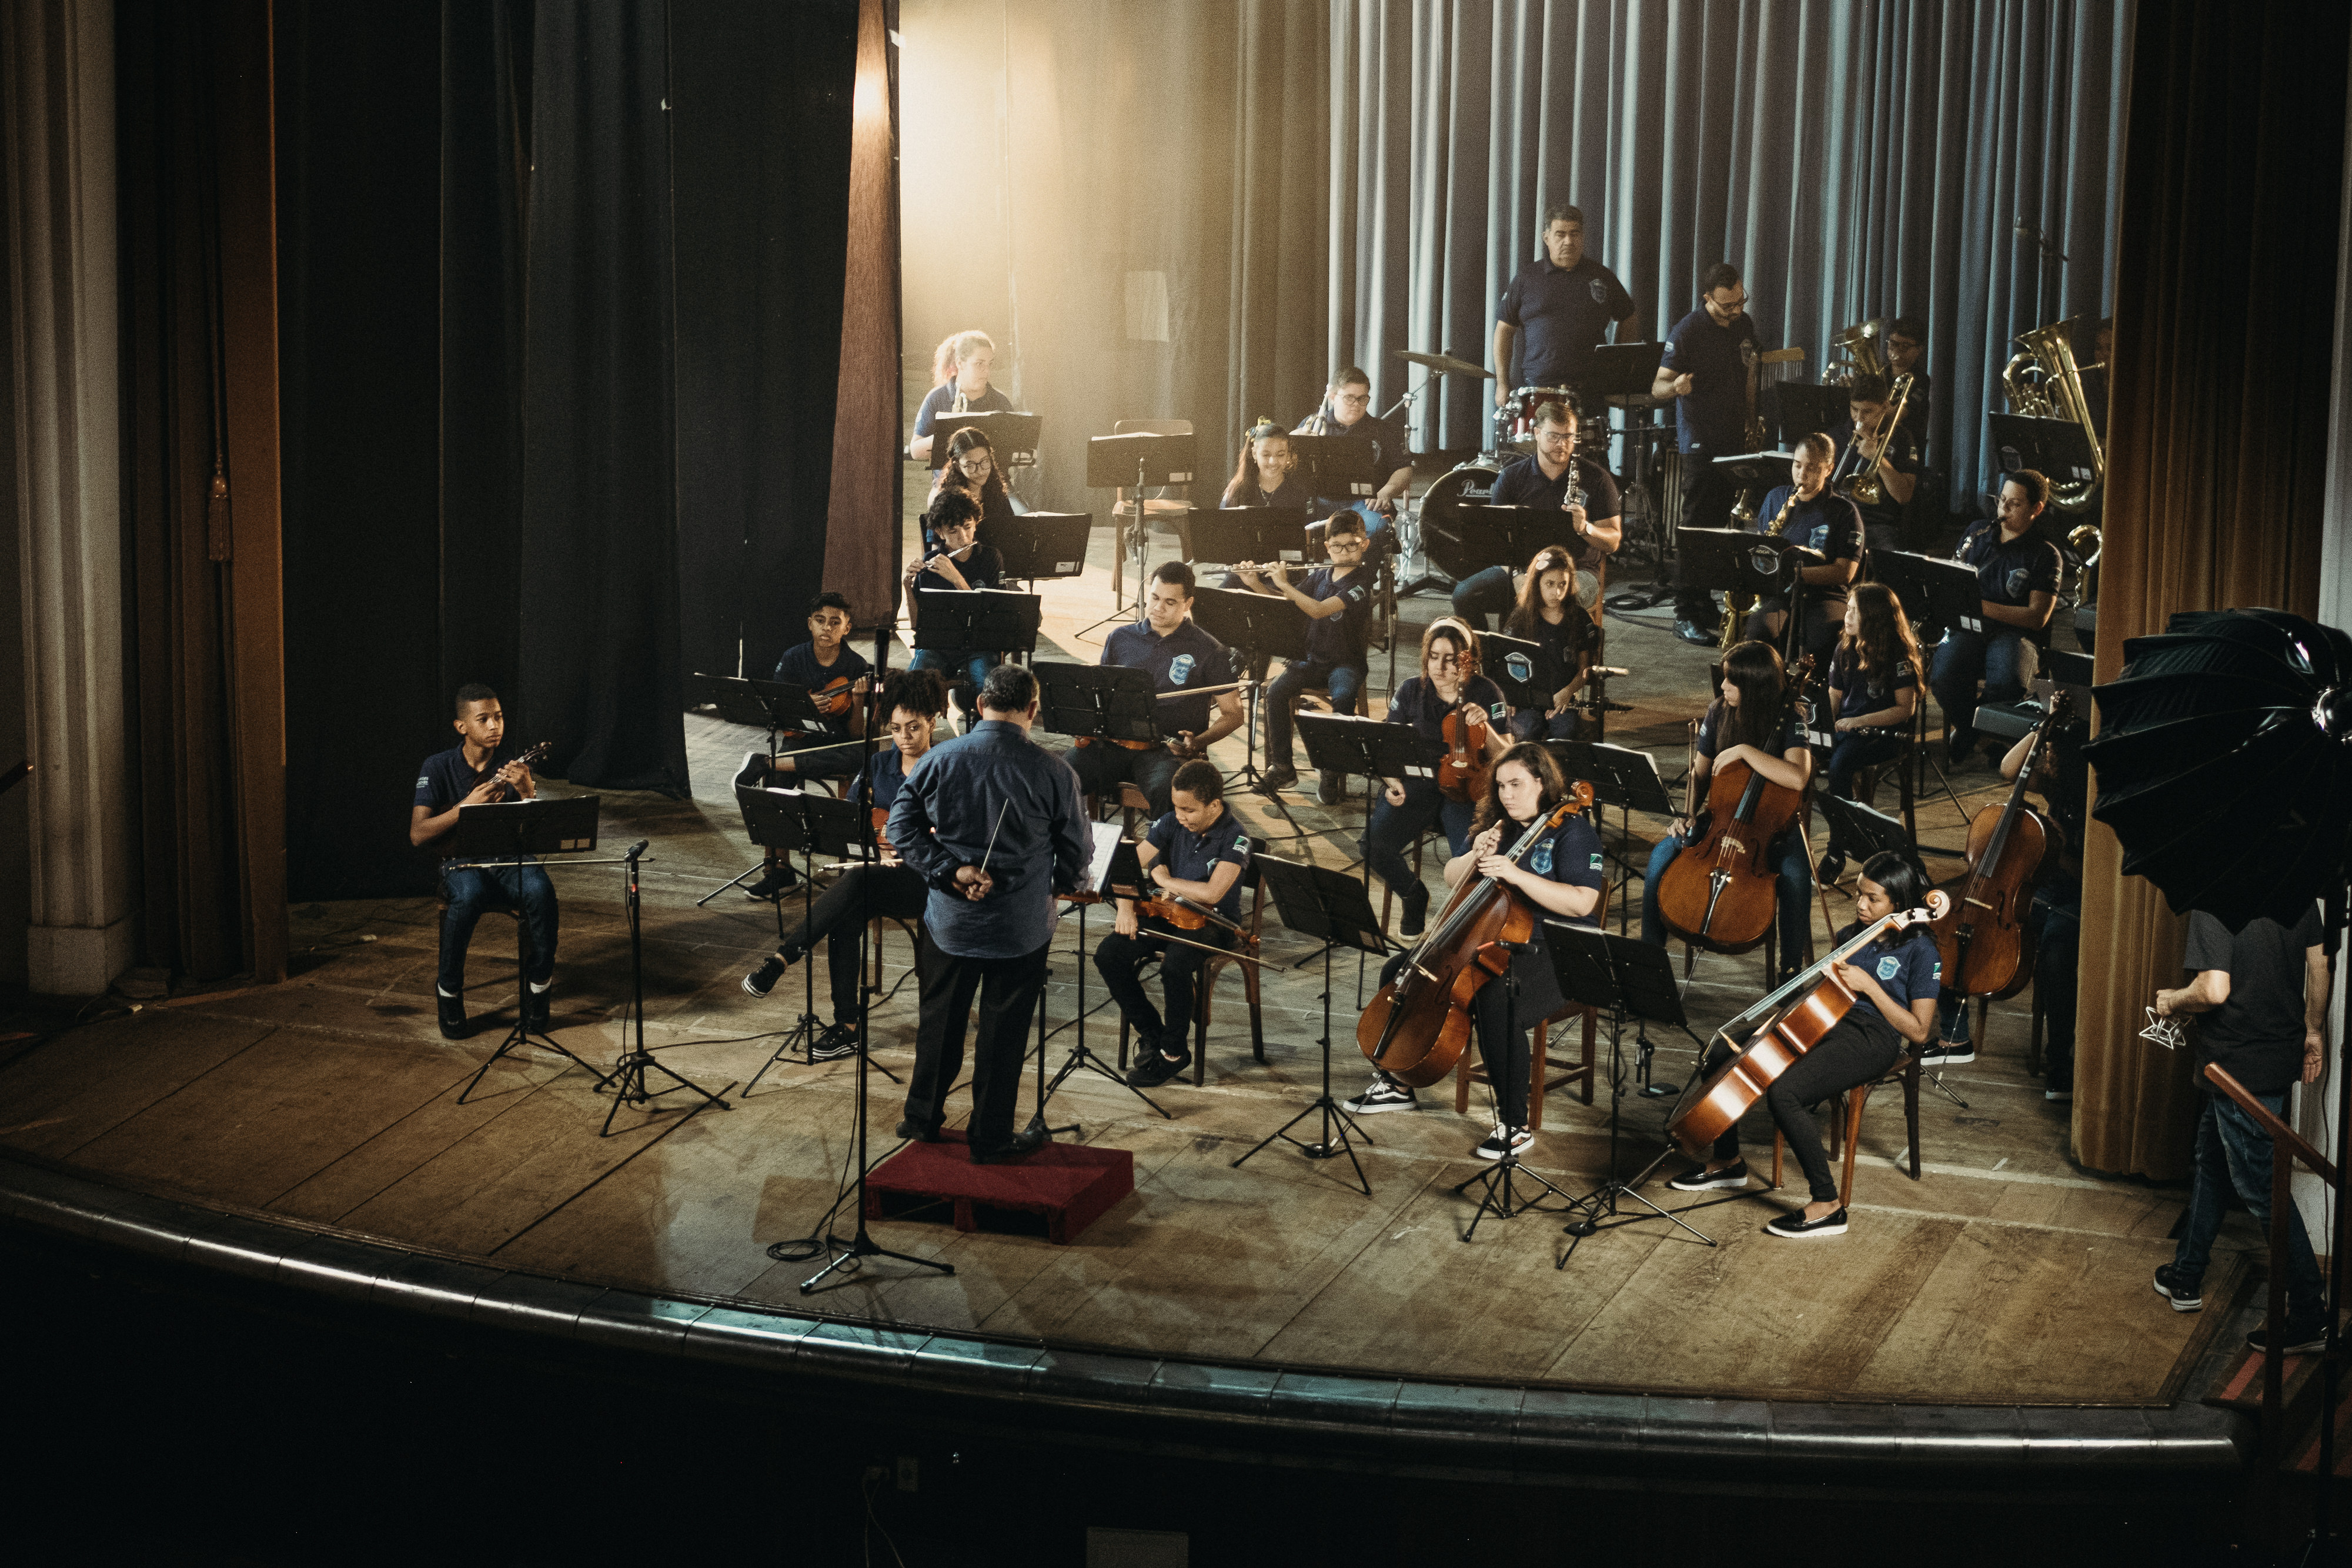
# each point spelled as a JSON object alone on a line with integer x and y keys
{"x": 1882, "y": 473}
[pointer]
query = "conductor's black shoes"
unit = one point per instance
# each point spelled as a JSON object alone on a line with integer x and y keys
{"x": 453, "y": 1017}
{"x": 1025, "y": 1142}
{"x": 914, "y": 1135}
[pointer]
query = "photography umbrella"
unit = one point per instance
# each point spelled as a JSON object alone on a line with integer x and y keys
{"x": 2223, "y": 765}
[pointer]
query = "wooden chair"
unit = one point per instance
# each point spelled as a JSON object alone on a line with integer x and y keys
{"x": 1540, "y": 1067}
{"x": 1170, "y": 510}
{"x": 1906, "y": 1070}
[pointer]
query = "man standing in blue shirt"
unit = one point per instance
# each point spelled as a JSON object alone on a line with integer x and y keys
{"x": 992, "y": 823}
{"x": 1705, "y": 369}
{"x": 476, "y": 772}
{"x": 1561, "y": 304}
{"x": 1180, "y": 658}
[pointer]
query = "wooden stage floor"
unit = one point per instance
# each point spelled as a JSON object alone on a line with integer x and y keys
{"x": 2006, "y": 1275}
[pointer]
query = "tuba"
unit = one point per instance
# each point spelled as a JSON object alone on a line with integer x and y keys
{"x": 2055, "y": 392}
{"x": 1860, "y": 342}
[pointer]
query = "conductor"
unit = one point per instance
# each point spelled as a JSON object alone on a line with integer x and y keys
{"x": 992, "y": 823}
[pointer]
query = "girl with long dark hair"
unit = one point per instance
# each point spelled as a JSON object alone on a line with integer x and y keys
{"x": 1548, "y": 615}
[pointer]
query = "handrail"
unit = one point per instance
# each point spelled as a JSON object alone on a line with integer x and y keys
{"x": 2279, "y": 1131}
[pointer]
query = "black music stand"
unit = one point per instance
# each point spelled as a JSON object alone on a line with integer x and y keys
{"x": 1232, "y": 534}
{"x": 1809, "y": 410}
{"x": 1112, "y": 871}
{"x": 1858, "y": 832}
{"x": 1136, "y": 461}
{"x": 1332, "y": 908}
{"x": 2059, "y": 448}
{"x": 808, "y": 823}
{"x": 1518, "y": 532}
{"x": 777, "y": 706}
{"x": 1622, "y": 369}
{"x": 1039, "y": 545}
{"x": 1352, "y": 744}
{"x": 1736, "y": 560}
{"x": 1015, "y": 437}
{"x": 1622, "y": 778}
{"x": 1338, "y": 466}
{"x": 1624, "y": 974}
{"x": 1108, "y": 702}
{"x": 1937, "y": 593}
{"x": 627, "y": 1078}
{"x": 1263, "y": 626}
{"x": 507, "y": 835}
{"x": 993, "y": 620}
{"x": 1513, "y": 664}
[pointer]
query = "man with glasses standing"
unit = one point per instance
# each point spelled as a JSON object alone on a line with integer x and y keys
{"x": 1705, "y": 369}
{"x": 1347, "y": 410}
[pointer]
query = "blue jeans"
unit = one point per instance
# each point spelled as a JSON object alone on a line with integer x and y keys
{"x": 1484, "y": 593}
{"x": 1961, "y": 658}
{"x": 1530, "y": 724}
{"x": 475, "y": 893}
{"x": 1856, "y": 749}
{"x": 964, "y": 661}
{"x": 1344, "y": 682}
{"x": 1393, "y": 827}
{"x": 2234, "y": 1152}
{"x": 1796, "y": 888}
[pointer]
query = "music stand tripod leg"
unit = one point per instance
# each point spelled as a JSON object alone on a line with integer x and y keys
{"x": 627, "y": 1078}
{"x": 1080, "y": 1056}
{"x": 1339, "y": 1129}
{"x": 1497, "y": 1196}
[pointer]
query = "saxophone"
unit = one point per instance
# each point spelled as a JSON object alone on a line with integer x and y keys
{"x": 1736, "y": 603}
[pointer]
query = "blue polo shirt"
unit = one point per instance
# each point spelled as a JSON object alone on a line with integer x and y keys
{"x": 1710, "y": 419}
{"x": 1791, "y": 736}
{"x": 1569, "y": 853}
{"x": 933, "y": 416}
{"x": 1186, "y": 657}
{"x": 1524, "y": 484}
{"x": 1562, "y": 312}
{"x": 1828, "y": 523}
{"x": 1905, "y": 962}
{"x": 991, "y": 783}
{"x": 2012, "y": 572}
{"x": 1867, "y": 691}
{"x": 444, "y": 780}
{"x": 878, "y": 785}
{"x": 1903, "y": 456}
{"x": 1193, "y": 856}
{"x": 1560, "y": 645}
{"x": 1339, "y": 638}
{"x": 828, "y": 684}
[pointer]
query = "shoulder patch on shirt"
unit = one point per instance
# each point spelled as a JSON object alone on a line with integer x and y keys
{"x": 1889, "y": 966}
{"x": 1179, "y": 668}
{"x": 424, "y": 783}
{"x": 1241, "y": 844}
{"x": 1596, "y": 862}
{"x": 1499, "y": 711}
{"x": 1355, "y": 595}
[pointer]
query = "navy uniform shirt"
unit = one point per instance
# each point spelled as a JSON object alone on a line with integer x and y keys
{"x": 1562, "y": 312}
{"x": 1292, "y": 495}
{"x": 1339, "y": 638}
{"x": 1711, "y": 739}
{"x": 1417, "y": 702}
{"x": 878, "y": 785}
{"x": 2010, "y": 573}
{"x": 1711, "y": 419}
{"x": 1186, "y": 657}
{"x": 1828, "y": 523}
{"x": 1915, "y": 409}
{"x": 1903, "y": 962}
{"x": 1569, "y": 853}
{"x": 828, "y": 684}
{"x": 1193, "y": 856}
{"x": 948, "y": 808}
{"x": 1867, "y": 691}
{"x": 983, "y": 568}
{"x": 933, "y": 417}
{"x": 445, "y": 780}
{"x": 1562, "y": 646}
{"x": 1903, "y": 454}
{"x": 1523, "y": 484}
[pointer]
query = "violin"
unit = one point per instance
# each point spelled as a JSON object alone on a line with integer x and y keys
{"x": 1720, "y": 892}
{"x": 1463, "y": 770}
{"x": 1418, "y": 1026}
{"x": 1816, "y": 1000}
{"x": 526, "y": 758}
{"x": 833, "y": 698}
{"x": 1981, "y": 939}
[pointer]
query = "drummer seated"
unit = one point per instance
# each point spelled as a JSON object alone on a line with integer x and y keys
{"x": 1547, "y": 615}
{"x": 1197, "y": 852}
{"x": 1338, "y": 602}
{"x": 1745, "y": 723}
{"x": 1560, "y": 875}
{"x": 1540, "y": 479}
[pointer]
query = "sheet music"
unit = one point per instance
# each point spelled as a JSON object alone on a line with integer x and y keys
{"x": 1106, "y": 841}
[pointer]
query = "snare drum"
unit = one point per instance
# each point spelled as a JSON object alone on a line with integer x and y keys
{"x": 1514, "y": 422}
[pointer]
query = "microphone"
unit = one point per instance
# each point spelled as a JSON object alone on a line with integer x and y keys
{"x": 634, "y": 850}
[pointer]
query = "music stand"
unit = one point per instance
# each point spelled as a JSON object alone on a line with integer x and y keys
{"x": 1332, "y": 908}
{"x": 1109, "y": 702}
{"x": 776, "y": 707}
{"x": 1937, "y": 593}
{"x": 507, "y": 835}
{"x": 627, "y": 1078}
{"x": 1015, "y": 437}
{"x": 1263, "y": 626}
{"x": 1513, "y": 664}
{"x": 1338, "y": 466}
{"x": 1809, "y": 410}
{"x": 1858, "y": 832}
{"x": 2059, "y": 448}
{"x": 1352, "y": 744}
{"x": 1262, "y": 534}
{"x": 1038, "y": 546}
{"x": 1624, "y": 974}
{"x": 1622, "y": 369}
{"x": 1518, "y": 532}
{"x": 809, "y": 823}
{"x": 1622, "y": 778}
{"x": 982, "y": 620}
{"x": 1136, "y": 461}
{"x": 1735, "y": 560}
{"x": 1112, "y": 871}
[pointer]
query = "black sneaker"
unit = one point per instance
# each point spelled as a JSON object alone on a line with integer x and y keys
{"x": 763, "y": 981}
{"x": 2301, "y": 1336}
{"x": 536, "y": 1008}
{"x": 1330, "y": 785}
{"x": 2184, "y": 1296}
{"x": 1705, "y": 1180}
{"x": 1416, "y": 900}
{"x": 780, "y": 879}
{"x": 1383, "y": 1095}
{"x": 1492, "y": 1149}
{"x": 1794, "y": 1226}
{"x": 1948, "y": 1053}
{"x": 832, "y": 1043}
{"x": 1281, "y": 776}
{"x": 2059, "y": 1091}
{"x": 453, "y": 1017}
{"x": 1157, "y": 1068}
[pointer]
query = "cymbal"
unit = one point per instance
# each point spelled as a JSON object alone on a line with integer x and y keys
{"x": 1446, "y": 364}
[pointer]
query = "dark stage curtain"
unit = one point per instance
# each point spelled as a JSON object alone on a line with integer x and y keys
{"x": 1880, "y": 153}
{"x": 1138, "y": 219}
{"x": 2218, "y": 443}
{"x": 203, "y": 661}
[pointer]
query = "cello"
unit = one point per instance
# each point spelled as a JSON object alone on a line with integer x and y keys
{"x": 1803, "y": 1009}
{"x": 1981, "y": 939}
{"x": 1418, "y": 1025}
{"x": 1720, "y": 892}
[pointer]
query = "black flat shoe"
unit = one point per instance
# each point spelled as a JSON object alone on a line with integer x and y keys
{"x": 536, "y": 1010}
{"x": 914, "y": 1135}
{"x": 453, "y": 1017}
{"x": 1281, "y": 776}
{"x": 1416, "y": 912}
{"x": 1796, "y": 1226}
{"x": 1026, "y": 1142}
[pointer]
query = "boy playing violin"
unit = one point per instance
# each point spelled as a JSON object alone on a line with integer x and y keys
{"x": 1196, "y": 852}
{"x": 836, "y": 676}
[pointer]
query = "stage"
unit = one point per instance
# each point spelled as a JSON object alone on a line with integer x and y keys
{"x": 2006, "y": 1279}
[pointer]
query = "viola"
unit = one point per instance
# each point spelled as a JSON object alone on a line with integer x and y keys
{"x": 1720, "y": 892}
{"x": 1464, "y": 771}
{"x": 1418, "y": 1025}
{"x": 1982, "y": 937}
{"x": 1802, "y": 1010}
{"x": 526, "y": 758}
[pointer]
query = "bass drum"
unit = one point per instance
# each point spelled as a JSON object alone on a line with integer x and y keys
{"x": 1443, "y": 534}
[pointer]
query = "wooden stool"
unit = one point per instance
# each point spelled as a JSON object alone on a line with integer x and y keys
{"x": 1907, "y": 1069}
{"x": 1539, "y": 1066}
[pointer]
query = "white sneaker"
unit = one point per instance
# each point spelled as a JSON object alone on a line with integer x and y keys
{"x": 1383, "y": 1095}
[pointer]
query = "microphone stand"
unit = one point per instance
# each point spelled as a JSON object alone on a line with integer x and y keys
{"x": 627, "y": 1078}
